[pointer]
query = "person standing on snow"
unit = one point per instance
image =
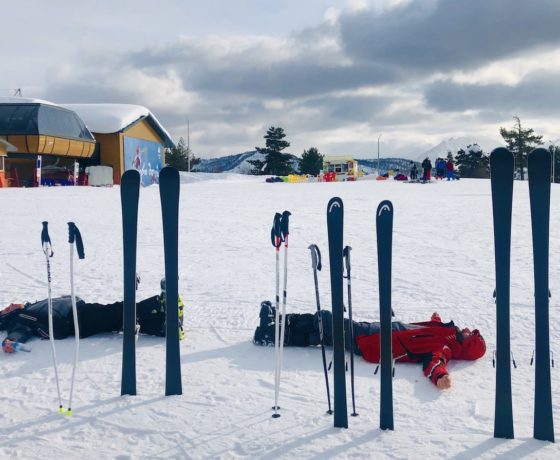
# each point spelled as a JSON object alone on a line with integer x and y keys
{"x": 427, "y": 167}
{"x": 450, "y": 166}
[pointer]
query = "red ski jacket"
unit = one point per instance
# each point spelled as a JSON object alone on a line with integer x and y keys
{"x": 432, "y": 343}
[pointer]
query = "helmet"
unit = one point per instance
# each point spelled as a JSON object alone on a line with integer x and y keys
{"x": 473, "y": 346}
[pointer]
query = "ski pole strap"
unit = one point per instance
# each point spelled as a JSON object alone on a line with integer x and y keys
{"x": 74, "y": 235}
{"x": 346, "y": 255}
{"x": 315, "y": 257}
{"x": 276, "y": 233}
{"x": 46, "y": 239}
{"x": 285, "y": 224}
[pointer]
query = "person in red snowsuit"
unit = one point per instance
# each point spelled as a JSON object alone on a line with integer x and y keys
{"x": 432, "y": 343}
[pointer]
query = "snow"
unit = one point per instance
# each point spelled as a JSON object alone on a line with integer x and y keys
{"x": 25, "y": 100}
{"x": 111, "y": 118}
{"x": 443, "y": 261}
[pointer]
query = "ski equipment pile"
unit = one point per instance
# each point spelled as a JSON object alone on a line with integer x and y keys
{"x": 130, "y": 190}
{"x": 539, "y": 168}
{"x": 169, "y": 188}
{"x": 384, "y": 225}
{"x": 316, "y": 266}
{"x": 501, "y": 177}
{"x": 335, "y": 225}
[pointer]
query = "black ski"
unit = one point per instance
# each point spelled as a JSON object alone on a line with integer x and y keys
{"x": 384, "y": 225}
{"x": 169, "y": 186}
{"x": 501, "y": 177}
{"x": 130, "y": 190}
{"x": 335, "y": 225}
{"x": 539, "y": 166}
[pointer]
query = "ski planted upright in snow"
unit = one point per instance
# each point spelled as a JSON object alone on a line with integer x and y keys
{"x": 384, "y": 225}
{"x": 169, "y": 187}
{"x": 539, "y": 166}
{"x": 501, "y": 177}
{"x": 335, "y": 225}
{"x": 130, "y": 191}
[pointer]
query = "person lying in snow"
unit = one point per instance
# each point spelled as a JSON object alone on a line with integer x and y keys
{"x": 432, "y": 343}
{"x": 23, "y": 321}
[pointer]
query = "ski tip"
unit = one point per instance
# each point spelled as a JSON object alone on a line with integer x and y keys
{"x": 384, "y": 206}
{"x": 334, "y": 203}
{"x": 169, "y": 172}
{"x": 131, "y": 175}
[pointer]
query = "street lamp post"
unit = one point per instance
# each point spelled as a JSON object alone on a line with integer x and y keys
{"x": 379, "y": 137}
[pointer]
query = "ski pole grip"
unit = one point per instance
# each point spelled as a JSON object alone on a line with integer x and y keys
{"x": 315, "y": 257}
{"x": 346, "y": 255}
{"x": 275, "y": 233}
{"x": 74, "y": 235}
{"x": 285, "y": 224}
{"x": 46, "y": 239}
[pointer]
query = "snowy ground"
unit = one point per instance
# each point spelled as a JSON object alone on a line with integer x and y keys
{"x": 443, "y": 260}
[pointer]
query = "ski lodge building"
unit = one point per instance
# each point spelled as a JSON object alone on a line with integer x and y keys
{"x": 40, "y": 141}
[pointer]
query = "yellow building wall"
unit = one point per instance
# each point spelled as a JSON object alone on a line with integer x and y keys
{"x": 111, "y": 153}
{"x": 52, "y": 145}
{"x": 112, "y": 146}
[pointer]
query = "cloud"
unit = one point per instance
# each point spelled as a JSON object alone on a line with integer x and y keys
{"x": 537, "y": 93}
{"x": 428, "y": 36}
{"x": 416, "y": 70}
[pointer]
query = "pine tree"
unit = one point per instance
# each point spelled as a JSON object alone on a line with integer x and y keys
{"x": 449, "y": 156}
{"x": 311, "y": 162}
{"x": 520, "y": 141}
{"x": 178, "y": 157}
{"x": 473, "y": 162}
{"x": 276, "y": 162}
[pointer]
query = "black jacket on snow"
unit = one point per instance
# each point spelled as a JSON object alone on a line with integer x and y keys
{"x": 93, "y": 318}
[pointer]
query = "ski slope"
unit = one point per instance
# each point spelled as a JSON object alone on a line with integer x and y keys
{"x": 442, "y": 261}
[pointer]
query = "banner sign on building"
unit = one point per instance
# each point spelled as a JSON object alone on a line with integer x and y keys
{"x": 144, "y": 156}
{"x": 38, "y": 170}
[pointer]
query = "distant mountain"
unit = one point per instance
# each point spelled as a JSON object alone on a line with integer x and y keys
{"x": 453, "y": 145}
{"x": 237, "y": 163}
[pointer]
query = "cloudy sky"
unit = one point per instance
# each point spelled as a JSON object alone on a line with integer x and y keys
{"x": 335, "y": 74}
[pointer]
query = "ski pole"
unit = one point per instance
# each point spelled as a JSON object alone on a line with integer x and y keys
{"x": 47, "y": 249}
{"x": 284, "y": 234}
{"x": 316, "y": 265}
{"x": 275, "y": 236}
{"x": 74, "y": 236}
{"x": 346, "y": 254}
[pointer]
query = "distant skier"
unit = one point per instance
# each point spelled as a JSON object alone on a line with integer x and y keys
{"x": 432, "y": 343}
{"x": 440, "y": 168}
{"x": 450, "y": 166}
{"x": 427, "y": 168}
{"x": 413, "y": 171}
{"x": 23, "y": 321}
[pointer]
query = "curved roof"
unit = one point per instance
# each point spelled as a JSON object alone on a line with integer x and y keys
{"x": 25, "y": 116}
{"x": 114, "y": 118}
